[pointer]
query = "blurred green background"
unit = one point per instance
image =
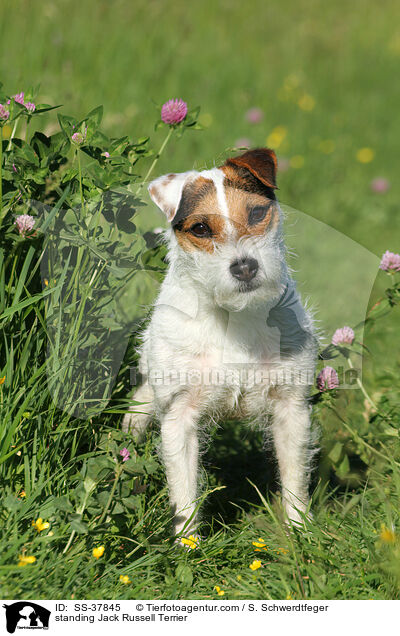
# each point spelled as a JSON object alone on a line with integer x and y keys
{"x": 322, "y": 77}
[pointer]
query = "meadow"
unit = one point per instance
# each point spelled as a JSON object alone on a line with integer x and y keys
{"x": 315, "y": 81}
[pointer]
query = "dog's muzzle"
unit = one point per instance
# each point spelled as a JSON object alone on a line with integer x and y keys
{"x": 244, "y": 269}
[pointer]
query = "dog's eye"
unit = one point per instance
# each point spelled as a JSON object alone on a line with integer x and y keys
{"x": 201, "y": 230}
{"x": 258, "y": 214}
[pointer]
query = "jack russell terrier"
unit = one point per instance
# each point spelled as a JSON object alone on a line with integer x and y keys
{"x": 229, "y": 336}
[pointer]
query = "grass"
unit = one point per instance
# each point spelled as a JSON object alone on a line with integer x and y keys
{"x": 227, "y": 58}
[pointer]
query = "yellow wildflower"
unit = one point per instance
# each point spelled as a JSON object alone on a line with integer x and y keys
{"x": 365, "y": 155}
{"x": 25, "y": 560}
{"x": 40, "y": 525}
{"x": 22, "y": 493}
{"x": 98, "y": 552}
{"x": 3, "y": 379}
{"x": 276, "y": 136}
{"x": 386, "y": 535}
{"x": 326, "y": 146}
{"x": 124, "y": 578}
{"x": 281, "y": 551}
{"x": 289, "y": 597}
{"x": 260, "y": 545}
{"x": 306, "y": 102}
{"x": 297, "y": 161}
{"x": 46, "y": 282}
{"x": 191, "y": 542}
{"x": 239, "y": 577}
{"x": 218, "y": 590}
{"x": 255, "y": 565}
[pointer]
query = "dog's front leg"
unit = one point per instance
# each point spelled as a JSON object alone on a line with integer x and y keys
{"x": 179, "y": 445}
{"x": 291, "y": 434}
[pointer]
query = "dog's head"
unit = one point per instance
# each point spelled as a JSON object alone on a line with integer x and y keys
{"x": 226, "y": 228}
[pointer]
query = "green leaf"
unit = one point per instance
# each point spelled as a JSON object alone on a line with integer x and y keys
{"x": 336, "y": 452}
{"x": 343, "y": 468}
{"x": 184, "y": 575}
{"x": 134, "y": 467}
{"x": 77, "y": 524}
{"x": 63, "y": 503}
{"x": 132, "y": 502}
{"x": 11, "y": 503}
{"x": 95, "y": 116}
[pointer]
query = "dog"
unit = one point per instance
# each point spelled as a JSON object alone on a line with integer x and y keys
{"x": 229, "y": 336}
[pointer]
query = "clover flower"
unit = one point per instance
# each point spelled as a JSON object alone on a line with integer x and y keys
{"x": 243, "y": 142}
{"x": 380, "y": 185}
{"x": 174, "y": 111}
{"x": 191, "y": 542}
{"x": 124, "y": 578}
{"x": 390, "y": 262}
{"x": 24, "y": 223}
{"x": 255, "y": 565}
{"x": 254, "y": 115}
{"x": 4, "y": 113}
{"x": 30, "y": 106}
{"x": 327, "y": 379}
{"x": 25, "y": 560}
{"x": 125, "y": 454}
{"x": 40, "y": 525}
{"x": 98, "y": 552}
{"x": 218, "y": 590}
{"x": 19, "y": 98}
{"x": 344, "y": 335}
{"x": 78, "y": 138}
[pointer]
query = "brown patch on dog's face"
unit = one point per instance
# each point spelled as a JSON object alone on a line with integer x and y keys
{"x": 251, "y": 214}
{"x": 249, "y": 184}
{"x": 198, "y": 223}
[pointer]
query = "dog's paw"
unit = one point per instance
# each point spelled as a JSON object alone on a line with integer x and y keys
{"x": 298, "y": 520}
{"x": 135, "y": 424}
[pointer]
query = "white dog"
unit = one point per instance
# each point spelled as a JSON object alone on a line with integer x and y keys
{"x": 228, "y": 336}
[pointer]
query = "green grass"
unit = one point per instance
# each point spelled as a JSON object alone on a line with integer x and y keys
{"x": 225, "y": 57}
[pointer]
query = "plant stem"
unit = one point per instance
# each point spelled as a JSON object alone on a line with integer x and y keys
{"x": 1, "y": 175}
{"x": 117, "y": 476}
{"x": 361, "y": 386}
{"x": 158, "y": 155}
{"x": 12, "y": 134}
{"x": 80, "y": 180}
{"x": 79, "y": 511}
{"x": 358, "y": 437}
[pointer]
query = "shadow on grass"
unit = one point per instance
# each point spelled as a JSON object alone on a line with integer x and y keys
{"x": 235, "y": 455}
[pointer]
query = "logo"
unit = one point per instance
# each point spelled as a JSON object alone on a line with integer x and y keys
{"x": 26, "y": 615}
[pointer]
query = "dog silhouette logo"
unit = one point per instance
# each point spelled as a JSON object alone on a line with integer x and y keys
{"x": 26, "y": 615}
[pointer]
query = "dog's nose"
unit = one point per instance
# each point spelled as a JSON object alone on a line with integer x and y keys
{"x": 244, "y": 269}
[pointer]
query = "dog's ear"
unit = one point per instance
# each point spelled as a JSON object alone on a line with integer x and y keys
{"x": 166, "y": 191}
{"x": 261, "y": 162}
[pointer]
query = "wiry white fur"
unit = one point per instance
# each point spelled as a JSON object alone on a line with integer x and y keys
{"x": 201, "y": 321}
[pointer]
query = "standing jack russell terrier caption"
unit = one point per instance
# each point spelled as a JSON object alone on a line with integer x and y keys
{"x": 228, "y": 336}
